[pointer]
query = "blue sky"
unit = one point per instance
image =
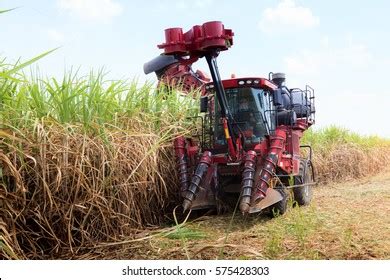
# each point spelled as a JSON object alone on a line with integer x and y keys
{"x": 341, "y": 48}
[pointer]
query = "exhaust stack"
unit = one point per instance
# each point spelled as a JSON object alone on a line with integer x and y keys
{"x": 279, "y": 79}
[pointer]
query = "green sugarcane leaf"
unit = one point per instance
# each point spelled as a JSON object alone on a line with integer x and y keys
{"x": 5, "y": 11}
{"x": 27, "y": 63}
{"x": 5, "y": 76}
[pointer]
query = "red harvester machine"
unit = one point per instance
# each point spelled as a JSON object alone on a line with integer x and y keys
{"x": 249, "y": 148}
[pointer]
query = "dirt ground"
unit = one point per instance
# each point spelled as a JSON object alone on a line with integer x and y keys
{"x": 349, "y": 220}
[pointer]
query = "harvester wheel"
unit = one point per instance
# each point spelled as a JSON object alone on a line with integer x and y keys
{"x": 279, "y": 208}
{"x": 303, "y": 195}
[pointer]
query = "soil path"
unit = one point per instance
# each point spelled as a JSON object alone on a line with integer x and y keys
{"x": 350, "y": 220}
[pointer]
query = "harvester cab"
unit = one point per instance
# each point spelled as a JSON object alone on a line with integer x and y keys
{"x": 251, "y": 128}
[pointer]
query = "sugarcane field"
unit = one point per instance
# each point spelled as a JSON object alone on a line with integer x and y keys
{"x": 194, "y": 130}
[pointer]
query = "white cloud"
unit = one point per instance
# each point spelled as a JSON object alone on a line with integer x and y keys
{"x": 329, "y": 59}
{"x": 55, "y": 35}
{"x": 287, "y": 16}
{"x": 92, "y": 10}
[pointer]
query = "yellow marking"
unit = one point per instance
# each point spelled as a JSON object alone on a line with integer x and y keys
{"x": 227, "y": 133}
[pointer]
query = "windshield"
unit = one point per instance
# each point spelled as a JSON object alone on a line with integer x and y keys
{"x": 247, "y": 106}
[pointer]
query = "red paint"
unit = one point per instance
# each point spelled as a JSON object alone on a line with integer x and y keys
{"x": 256, "y": 82}
{"x": 198, "y": 39}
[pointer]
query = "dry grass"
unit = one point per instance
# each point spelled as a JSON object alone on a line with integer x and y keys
{"x": 83, "y": 161}
{"x": 349, "y": 161}
{"x": 339, "y": 154}
{"x": 67, "y": 193}
{"x": 345, "y": 221}
{"x": 63, "y": 190}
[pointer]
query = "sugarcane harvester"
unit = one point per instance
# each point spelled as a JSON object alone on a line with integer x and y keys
{"x": 251, "y": 128}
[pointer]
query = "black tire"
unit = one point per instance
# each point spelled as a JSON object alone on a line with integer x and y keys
{"x": 303, "y": 195}
{"x": 279, "y": 208}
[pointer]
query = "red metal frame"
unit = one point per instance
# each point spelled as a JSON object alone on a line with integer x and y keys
{"x": 279, "y": 150}
{"x": 198, "y": 39}
{"x": 255, "y": 82}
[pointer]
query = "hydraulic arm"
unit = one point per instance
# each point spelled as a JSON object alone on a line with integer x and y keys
{"x": 207, "y": 41}
{"x": 226, "y": 115}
